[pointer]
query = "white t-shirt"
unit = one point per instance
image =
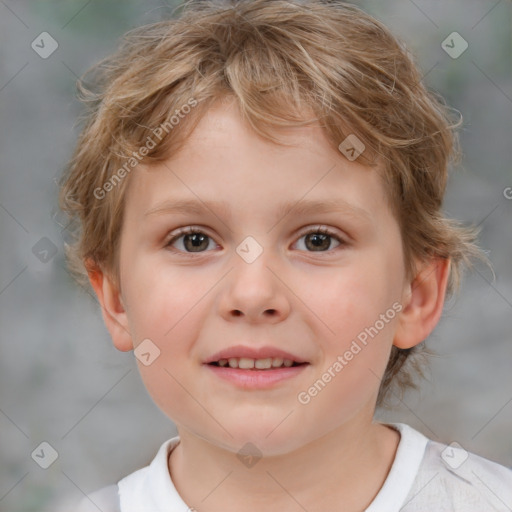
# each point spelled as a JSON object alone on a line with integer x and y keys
{"x": 425, "y": 475}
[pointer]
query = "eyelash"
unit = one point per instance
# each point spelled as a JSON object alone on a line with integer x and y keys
{"x": 191, "y": 230}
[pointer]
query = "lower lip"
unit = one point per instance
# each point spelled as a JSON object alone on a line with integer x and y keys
{"x": 256, "y": 379}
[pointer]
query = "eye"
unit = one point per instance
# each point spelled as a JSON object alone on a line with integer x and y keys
{"x": 319, "y": 239}
{"x": 194, "y": 240}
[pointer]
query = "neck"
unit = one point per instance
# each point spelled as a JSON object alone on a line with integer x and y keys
{"x": 347, "y": 466}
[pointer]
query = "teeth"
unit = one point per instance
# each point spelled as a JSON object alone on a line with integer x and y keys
{"x": 247, "y": 363}
{"x": 263, "y": 364}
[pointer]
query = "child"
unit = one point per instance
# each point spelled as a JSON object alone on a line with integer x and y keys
{"x": 259, "y": 192}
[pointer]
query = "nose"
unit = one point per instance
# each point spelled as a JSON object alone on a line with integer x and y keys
{"x": 253, "y": 292}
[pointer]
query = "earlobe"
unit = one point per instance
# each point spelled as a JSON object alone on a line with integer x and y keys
{"x": 112, "y": 308}
{"x": 423, "y": 303}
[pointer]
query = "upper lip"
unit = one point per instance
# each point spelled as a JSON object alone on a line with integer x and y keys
{"x": 265, "y": 352}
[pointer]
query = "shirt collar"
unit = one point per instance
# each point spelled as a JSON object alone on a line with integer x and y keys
{"x": 151, "y": 489}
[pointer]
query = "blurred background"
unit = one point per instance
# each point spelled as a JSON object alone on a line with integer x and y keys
{"x": 61, "y": 380}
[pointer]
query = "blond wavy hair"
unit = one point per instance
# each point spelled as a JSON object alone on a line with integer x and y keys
{"x": 280, "y": 60}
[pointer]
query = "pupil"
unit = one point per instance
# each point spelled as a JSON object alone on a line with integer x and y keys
{"x": 197, "y": 239}
{"x": 318, "y": 239}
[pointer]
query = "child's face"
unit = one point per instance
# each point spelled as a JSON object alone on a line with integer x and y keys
{"x": 310, "y": 303}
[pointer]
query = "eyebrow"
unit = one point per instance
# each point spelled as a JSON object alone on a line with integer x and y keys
{"x": 222, "y": 208}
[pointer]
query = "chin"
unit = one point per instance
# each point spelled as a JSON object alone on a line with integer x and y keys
{"x": 263, "y": 438}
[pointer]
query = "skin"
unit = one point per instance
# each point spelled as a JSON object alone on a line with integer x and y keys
{"x": 311, "y": 303}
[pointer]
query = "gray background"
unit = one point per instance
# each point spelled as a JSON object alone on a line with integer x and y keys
{"x": 61, "y": 380}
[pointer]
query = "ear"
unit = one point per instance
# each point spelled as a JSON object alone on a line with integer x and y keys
{"x": 112, "y": 307}
{"x": 423, "y": 302}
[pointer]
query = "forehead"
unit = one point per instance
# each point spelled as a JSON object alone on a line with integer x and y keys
{"x": 225, "y": 161}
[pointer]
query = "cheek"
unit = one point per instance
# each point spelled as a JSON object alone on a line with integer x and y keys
{"x": 163, "y": 299}
{"x": 356, "y": 304}
{"x": 168, "y": 389}
{"x": 349, "y": 299}
{"x": 165, "y": 307}
{"x": 169, "y": 380}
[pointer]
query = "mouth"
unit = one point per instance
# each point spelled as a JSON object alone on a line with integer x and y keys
{"x": 253, "y": 368}
{"x": 247, "y": 357}
{"x": 246, "y": 363}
